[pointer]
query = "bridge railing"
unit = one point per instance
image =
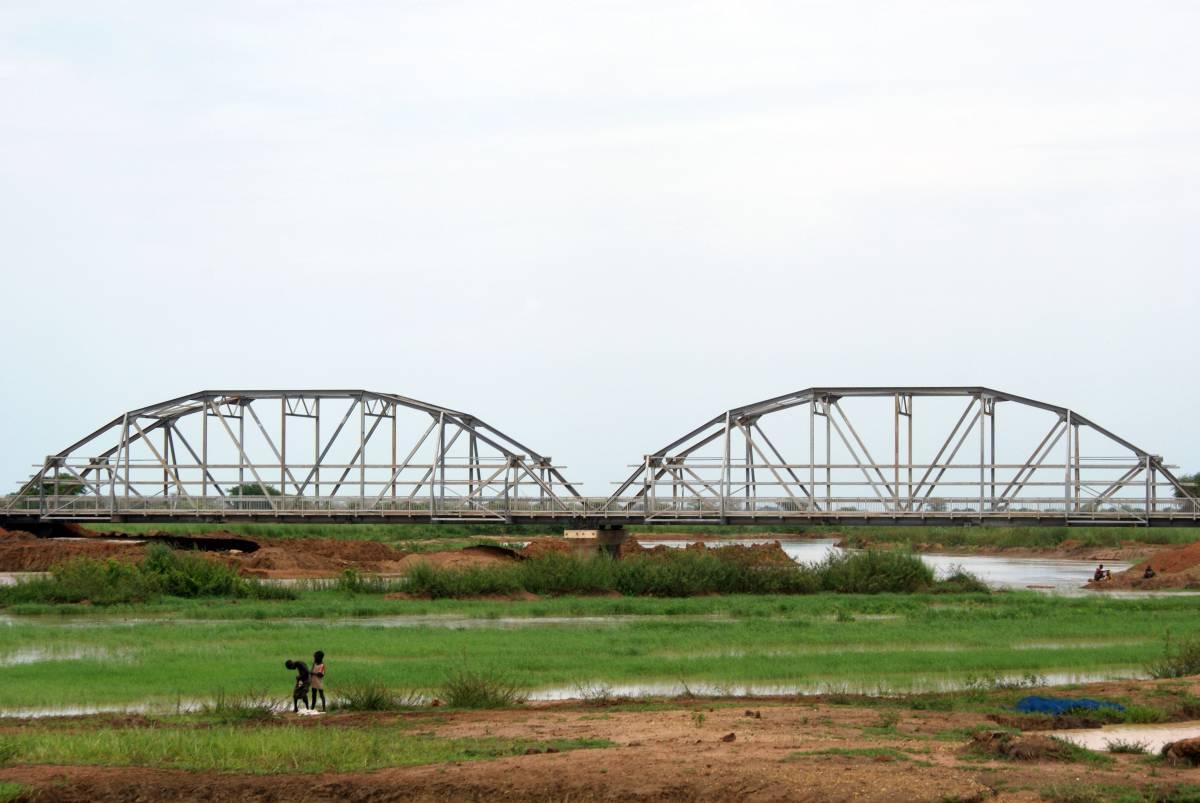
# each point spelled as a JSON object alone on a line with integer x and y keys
{"x": 622, "y": 508}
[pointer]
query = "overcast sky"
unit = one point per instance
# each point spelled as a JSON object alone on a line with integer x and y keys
{"x": 598, "y": 224}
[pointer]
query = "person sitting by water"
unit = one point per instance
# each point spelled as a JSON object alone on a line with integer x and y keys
{"x": 1146, "y": 575}
{"x": 1101, "y": 573}
{"x": 303, "y": 679}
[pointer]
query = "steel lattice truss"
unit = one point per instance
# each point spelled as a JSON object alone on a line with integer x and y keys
{"x": 817, "y": 462}
{"x": 288, "y": 453}
{"x": 822, "y": 454}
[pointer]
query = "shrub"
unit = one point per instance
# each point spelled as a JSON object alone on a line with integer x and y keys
{"x": 439, "y": 583}
{"x": 468, "y": 688}
{"x": 1122, "y": 746}
{"x": 240, "y": 707}
{"x": 373, "y": 696}
{"x": 874, "y": 572}
{"x": 162, "y": 572}
{"x": 1179, "y": 660}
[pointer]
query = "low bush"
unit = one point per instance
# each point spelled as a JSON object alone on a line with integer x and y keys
{"x": 239, "y": 707}
{"x": 1179, "y": 659}
{"x": 163, "y": 572}
{"x": 874, "y": 572}
{"x": 469, "y": 688}
{"x": 373, "y": 696}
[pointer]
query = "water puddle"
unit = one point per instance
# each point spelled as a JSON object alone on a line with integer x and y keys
{"x": 870, "y": 688}
{"x": 39, "y": 655}
{"x": 1151, "y": 737}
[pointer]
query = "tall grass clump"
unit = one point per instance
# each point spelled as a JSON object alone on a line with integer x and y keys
{"x": 441, "y": 583}
{"x": 1178, "y": 660}
{"x": 874, "y": 572}
{"x": 239, "y": 707}
{"x": 162, "y": 572}
{"x": 373, "y": 696}
{"x": 470, "y": 688}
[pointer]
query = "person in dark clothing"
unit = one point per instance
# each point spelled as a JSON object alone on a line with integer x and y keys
{"x": 303, "y": 679}
{"x": 1101, "y": 573}
{"x": 1146, "y": 575}
{"x": 318, "y": 678}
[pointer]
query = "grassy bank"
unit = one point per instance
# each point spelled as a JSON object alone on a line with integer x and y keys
{"x": 962, "y": 536}
{"x": 893, "y": 641}
{"x": 675, "y": 573}
{"x": 261, "y": 750}
{"x": 679, "y": 573}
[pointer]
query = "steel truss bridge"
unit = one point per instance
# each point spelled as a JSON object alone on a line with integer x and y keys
{"x": 850, "y": 455}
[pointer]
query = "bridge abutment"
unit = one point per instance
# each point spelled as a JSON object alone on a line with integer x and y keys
{"x": 605, "y": 541}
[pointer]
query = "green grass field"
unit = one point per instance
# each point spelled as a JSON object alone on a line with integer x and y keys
{"x": 890, "y": 641}
{"x": 265, "y": 750}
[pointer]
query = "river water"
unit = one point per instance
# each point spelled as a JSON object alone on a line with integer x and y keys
{"x": 998, "y": 571}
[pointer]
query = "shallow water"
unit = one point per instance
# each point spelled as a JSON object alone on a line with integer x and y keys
{"x": 998, "y": 571}
{"x": 874, "y": 688}
{"x": 38, "y": 655}
{"x": 1152, "y": 736}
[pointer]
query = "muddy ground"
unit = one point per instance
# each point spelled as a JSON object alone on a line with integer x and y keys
{"x": 795, "y": 749}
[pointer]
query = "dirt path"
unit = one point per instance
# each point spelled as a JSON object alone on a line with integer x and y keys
{"x": 753, "y": 750}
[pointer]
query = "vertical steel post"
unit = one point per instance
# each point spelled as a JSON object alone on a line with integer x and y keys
{"x": 242, "y": 450}
{"x": 204, "y": 453}
{"x": 1149, "y": 507}
{"x": 283, "y": 445}
{"x": 749, "y": 467}
{"x": 828, "y": 455}
{"x": 896, "y": 457}
{"x": 992, "y": 494}
{"x": 393, "y": 474}
{"x": 812, "y": 452}
{"x": 983, "y": 408}
{"x": 1067, "y": 471}
{"x": 125, "y": 449}
{"x": 166, "y": 462}
{"x": 1078, "y": 467}
{"x": 910, "y": 451}
{"x": 42, "y": 486}
{"x": 316, "y": 472}
{"x": 362, "y": 451}
{"x": 725, "y": 471}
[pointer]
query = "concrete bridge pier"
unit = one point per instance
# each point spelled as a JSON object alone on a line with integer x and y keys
{"x": 586, "y": 543}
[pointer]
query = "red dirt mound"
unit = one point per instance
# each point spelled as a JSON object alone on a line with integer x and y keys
{"x": 745, "y": 554}
{"x": 1178, "y": 567}
{"x": 24, "y": 552}
{"x": 545, "y": 546}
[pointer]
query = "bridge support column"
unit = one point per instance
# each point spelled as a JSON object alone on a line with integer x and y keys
{"x": 586, "y": 543}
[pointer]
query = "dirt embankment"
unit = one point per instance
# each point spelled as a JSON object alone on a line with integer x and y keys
{"x": 262, "y": 558}
{"x": 746, "y": 554}
{"x": 298, "y": 558}
{"x": 1174, "y": 568}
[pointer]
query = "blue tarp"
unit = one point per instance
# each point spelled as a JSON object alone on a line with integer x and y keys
{"x": 1061, "y": 705}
